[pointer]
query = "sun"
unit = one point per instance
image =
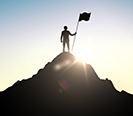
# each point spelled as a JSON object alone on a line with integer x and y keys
{"x": 81, "y": 56}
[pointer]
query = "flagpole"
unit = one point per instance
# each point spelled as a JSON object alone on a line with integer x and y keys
{"x": 75, "y": 35}
{"x": 84, "y": 16}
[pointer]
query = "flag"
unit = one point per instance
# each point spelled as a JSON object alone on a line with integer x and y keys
{"x": 84, "y": 16}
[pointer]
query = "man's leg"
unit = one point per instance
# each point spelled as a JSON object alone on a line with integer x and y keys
{"x": 63, "y": 46}
{"x": 68, "y": 46}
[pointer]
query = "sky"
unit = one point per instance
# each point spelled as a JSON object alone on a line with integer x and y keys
{"x": 30, "y": 33}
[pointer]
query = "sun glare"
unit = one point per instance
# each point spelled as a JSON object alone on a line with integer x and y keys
{"x": 81, "y": 56}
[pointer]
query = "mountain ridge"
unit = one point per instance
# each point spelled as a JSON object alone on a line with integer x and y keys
{"x": 65, "y": 86}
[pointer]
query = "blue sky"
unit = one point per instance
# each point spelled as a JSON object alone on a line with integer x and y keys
{"x": 30, "y": 37}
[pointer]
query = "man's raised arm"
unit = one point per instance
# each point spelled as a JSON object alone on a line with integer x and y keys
{"x": 72, "y": 34}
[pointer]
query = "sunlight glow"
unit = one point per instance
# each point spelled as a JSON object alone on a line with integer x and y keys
{"x": 68, "y": 66}
{"x": 82, "y": 56}
{"x": 58, "y": 67}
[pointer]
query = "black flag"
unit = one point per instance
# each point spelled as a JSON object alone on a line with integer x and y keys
{"x": 84, "y": 16}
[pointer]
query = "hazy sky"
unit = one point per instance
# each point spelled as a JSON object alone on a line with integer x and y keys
{"x": 30, "y": 37}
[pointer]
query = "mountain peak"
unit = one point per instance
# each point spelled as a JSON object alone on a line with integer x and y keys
{"x": 67, "y": 66}
{"x": 64, "y": 56}
{"x": 65, "y": 86}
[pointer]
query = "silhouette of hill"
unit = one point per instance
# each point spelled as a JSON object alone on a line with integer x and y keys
{"x": 65, "y": 86}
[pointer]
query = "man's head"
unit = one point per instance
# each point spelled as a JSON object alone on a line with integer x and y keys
{"x": 65, "y": 27}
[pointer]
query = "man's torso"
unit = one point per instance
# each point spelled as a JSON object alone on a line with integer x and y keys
{"x": 65, "y": 35}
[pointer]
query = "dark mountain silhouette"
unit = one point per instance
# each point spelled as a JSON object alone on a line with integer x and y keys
{"x": 65, "y": 87}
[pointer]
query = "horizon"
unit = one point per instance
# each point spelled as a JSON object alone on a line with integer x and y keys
{"x": 31, "y": 30}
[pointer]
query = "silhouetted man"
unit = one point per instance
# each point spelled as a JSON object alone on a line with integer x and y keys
{"x": 65, "y": 36}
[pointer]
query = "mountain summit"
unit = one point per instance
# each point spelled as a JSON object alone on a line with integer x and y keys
{"x": 65, "y": 86}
